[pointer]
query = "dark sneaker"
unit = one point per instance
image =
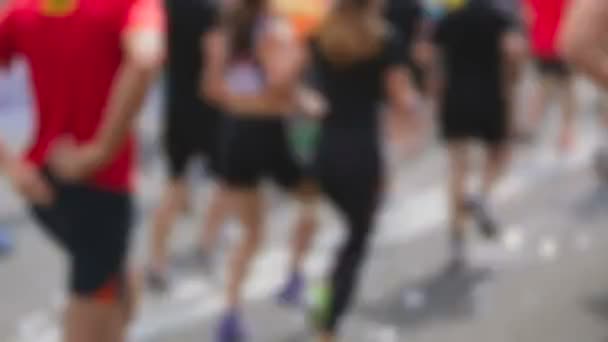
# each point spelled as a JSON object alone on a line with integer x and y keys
{"x": 157, "y": 281}
{"x": 456, "y": 266}
{"x": 487, "y": 224}
{"x": 291, "y": 294}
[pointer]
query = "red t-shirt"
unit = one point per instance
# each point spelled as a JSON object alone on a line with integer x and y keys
{"x": 545, "y": 17}
{"x": 74, "y": 49}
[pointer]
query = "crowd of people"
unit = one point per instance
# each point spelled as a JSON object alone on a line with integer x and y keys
{"x": 236, "y": 73}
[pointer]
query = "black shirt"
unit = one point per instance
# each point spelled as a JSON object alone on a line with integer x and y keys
{"x": 470, "y": 40}
{"x": 355, "y": 92}
{"x": 188, "y": 21}
{"x": 406, "y": 16}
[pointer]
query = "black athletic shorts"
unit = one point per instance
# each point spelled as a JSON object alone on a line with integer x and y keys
{"x": 93, "y": 227}
{"x": 191, "y": 133}
{"x": 553, "y": 67}
{"x": 253, "y": 149}
{"x": 488, "y": 124}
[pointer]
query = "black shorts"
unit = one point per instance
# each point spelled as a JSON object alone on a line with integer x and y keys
{"x": 193, "y": 133}
{"x": 255, "y": 149}
{"x": 490, "y": 127}
{"x": 93, "y": 227}
{"x": 553, "y": 67}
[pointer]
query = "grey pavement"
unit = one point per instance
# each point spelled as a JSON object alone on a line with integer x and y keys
{"x": 545, "y": 280}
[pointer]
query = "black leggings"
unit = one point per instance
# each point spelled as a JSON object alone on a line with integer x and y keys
{"x": 353, "y": 184}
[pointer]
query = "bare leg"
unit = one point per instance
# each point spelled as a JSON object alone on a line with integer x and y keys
{"x": 306, "y": 227}
{"x": 217, "y": 213}
{"x": 86, "y": 320}
{"x": 496, "y": 160}
{"x": 171, "y": 205}
{"x": 126, "y": 310}
{"x": 304, "y": 234}
{"x": 249, "y": 208}
{"x": 458, "y": 155}
{"x": 538, "y": 104}
{"x": 90, "y": 319}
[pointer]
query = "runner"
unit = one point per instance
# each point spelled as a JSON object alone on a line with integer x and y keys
{"x": 408, "y": 18}
{"x": 357, "y": 57}
{"x": 306, "y": 17}
{"x": 91, "y": 64}
{"x": 254, "y": 77}
{"x": 476, "y": 44}
{"x": 583, "y": 44}
{"x": 582, "y": 40}
{"x": 191, "y": 131}
{"x": 555, "y": 77}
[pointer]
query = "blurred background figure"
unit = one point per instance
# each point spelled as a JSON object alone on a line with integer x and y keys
{"x": 191, "y": 130}
{"x": 555, "y": 78}
{"x": 76, "y": 176}
{"x": 253, "y": 68}
{"x": 476, "y": 46}
{"x": 305, "y": 17}
{"x": 359, "y": 61}
{"x": 408, "y": 18}
{"x": 583, "y": 43}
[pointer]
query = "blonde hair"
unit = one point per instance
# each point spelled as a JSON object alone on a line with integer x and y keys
{"x": 352, "y": 33}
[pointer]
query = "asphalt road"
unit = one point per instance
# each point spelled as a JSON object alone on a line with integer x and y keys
{"x": 546, "y": 280}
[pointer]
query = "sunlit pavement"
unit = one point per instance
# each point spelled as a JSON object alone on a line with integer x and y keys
{"x": 546, "y": 280}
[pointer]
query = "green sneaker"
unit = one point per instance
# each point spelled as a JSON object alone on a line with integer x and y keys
{"x": 320, "y": 302}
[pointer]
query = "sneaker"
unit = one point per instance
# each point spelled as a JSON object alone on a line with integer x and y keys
{"x": 320, "y": 306}
{"x": 6, "y": 244}
{"x": 157, "y": 281}
{"x": 456, "y": 266}
{"x": 230, "y": 328}
{"x": 486, "y": 222}
{"x": 291, "y": 294}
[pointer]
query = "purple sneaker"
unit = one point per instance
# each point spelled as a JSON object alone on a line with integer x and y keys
{"x": 230, "y": 328}
{"x": 291, "y": 294}
{"x": 6, "y": 243}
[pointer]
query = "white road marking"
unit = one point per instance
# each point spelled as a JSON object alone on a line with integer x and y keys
{"x": 548, "y": 249}
{"x": 513, "y": 239}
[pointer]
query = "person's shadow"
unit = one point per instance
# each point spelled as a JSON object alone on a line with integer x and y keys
{"x": 598, "y": 306}
{"x": 594, "y": 205}
{"x": 446, "y": 295}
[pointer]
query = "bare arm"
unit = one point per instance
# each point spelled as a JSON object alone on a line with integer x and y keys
{"x": 398, "y": 89}
{"x": 136, "y": 75}
{"x": 282, "y": 73}
{"x": 583, "y": 37}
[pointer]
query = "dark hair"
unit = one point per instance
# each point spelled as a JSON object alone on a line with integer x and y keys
{"x": 241, "y": 23}
{"x": 352, "y": 32}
